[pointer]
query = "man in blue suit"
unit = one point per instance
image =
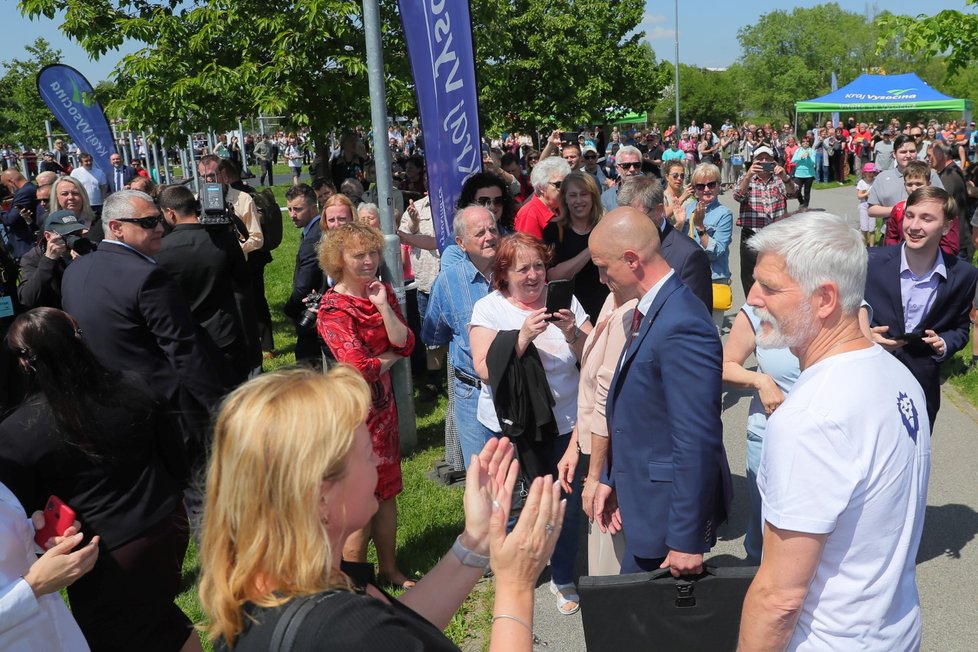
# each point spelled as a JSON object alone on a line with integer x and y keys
{"x": 120, "y": 175}
{"x": 667, "y": 483}
{"x": 921, "y": 298}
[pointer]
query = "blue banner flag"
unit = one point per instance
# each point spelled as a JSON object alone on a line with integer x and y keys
{"x": 72, "y": 101}
{"x": 439, "y": 44}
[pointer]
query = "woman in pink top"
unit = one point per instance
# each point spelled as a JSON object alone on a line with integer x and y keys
{"x": 588, "y": 447}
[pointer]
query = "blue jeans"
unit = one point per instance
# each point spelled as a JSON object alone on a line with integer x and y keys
{"x": 755, "y": 523}
{"x": 472, "y": 435}
{"x": 818, "y": 166}
{"x": 565, "y": 553}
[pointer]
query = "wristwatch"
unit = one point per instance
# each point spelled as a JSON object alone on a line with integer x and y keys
{"x": 701, "y": 232}
{"x": 468, "y": 557}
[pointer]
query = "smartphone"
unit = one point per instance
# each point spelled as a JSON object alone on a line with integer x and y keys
{"x": 906, "y": 337}
{"x": 568, "y": 137}
{"x": 58, "y": 517}
{"x": 559, "y": 295}
{"x": 768, "y": 166}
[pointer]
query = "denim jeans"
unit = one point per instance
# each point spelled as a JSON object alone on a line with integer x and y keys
{"x": 472, "y": 435}
{"x": 755, "y": 522}
{"x": 565, "y": 553}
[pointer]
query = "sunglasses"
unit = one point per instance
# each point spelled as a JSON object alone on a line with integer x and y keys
{"x": 489, "y": 201}
{"x": 676, "y": 175}
{"x": 532, "y": 160}
{"x": 43, "y": 201}
{"x": 149, "y": 222}
{"x": 634, "y": 166}
{"x": 592, "y": 156}
{"x": 703, "y": 186}
{"x": 556, "y": 184}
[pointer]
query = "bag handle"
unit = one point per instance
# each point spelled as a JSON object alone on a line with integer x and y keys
{"x": 290, "y": 622}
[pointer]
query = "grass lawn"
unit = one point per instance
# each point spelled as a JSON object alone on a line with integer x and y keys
{"x": 430, "y": 515}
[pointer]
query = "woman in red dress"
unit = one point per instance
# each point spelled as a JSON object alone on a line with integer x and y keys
{"x": 361, "y": 322}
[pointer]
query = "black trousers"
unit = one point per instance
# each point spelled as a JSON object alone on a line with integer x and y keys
{"x": 748, "y": 258}
{"x": 266, "y": 169}
{"x": 804, "y": 190}
{"x": 263, "y": 315}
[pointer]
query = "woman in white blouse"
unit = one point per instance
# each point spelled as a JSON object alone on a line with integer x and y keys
{"x": 33, "y": 617}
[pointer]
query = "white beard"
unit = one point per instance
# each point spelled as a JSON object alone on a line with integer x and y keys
{"x": 794, "y": 332}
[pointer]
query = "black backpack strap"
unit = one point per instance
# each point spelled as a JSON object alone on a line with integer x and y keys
{"x": 290, "y": 622}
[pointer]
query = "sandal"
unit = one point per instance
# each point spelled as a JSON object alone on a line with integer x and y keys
{"x": 405, "y": 585}
{"x": 566, "y": 595}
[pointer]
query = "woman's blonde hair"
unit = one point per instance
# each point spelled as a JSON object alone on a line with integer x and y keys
{"x": 85, "y": 214}
{"x": 351, "y": 237}
{"x": 276, "y": 439}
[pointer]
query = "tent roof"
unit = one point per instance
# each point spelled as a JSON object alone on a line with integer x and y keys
{"x": 884, "y": 93}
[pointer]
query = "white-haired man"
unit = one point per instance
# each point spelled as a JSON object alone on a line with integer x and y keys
{"x": 843, "y": 487}
{"x": 628, "y": 163}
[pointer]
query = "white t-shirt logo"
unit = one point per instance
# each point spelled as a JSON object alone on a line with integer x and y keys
{"x": 908, "y": 412}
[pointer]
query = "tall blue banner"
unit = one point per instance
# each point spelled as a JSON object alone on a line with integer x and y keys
{"x": 72, "y": 101}
{"x": 439, "y": 44}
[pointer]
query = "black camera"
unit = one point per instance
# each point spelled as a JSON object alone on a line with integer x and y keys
{"x": 79, "y": 244}
{"x": 214, "y": 210}
{"x": 307, "y": 320}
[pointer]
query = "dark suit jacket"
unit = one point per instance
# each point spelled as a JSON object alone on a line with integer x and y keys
{"x": 948, "y": 316}
{"x": 307, "y": 276}
{"x": 668, "y": 464}
{"x": 21, "y": 234}
{"x": 134, "y": 317}
{"x": 690, "y": 262}
{"x": 128, "y": 172}
{"x": 212, "y": 274}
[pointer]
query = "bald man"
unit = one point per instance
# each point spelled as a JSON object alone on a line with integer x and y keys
{"x": 667, "y": 483}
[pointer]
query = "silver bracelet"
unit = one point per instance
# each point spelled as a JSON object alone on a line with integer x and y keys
{"x": 577, "y": 334}
{"x": 468, "y": 557}
{"x": 536, "y": 639}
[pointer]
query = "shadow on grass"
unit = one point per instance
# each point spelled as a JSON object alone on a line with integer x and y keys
{"x": 420, "y": 552}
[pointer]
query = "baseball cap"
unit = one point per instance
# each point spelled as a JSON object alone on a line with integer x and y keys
{"x": 63, "y": 223}
{"x": 870, "y": 167}
{"x": 764, "y": 150}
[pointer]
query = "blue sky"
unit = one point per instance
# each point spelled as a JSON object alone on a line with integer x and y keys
{"x": 717, "y": 49}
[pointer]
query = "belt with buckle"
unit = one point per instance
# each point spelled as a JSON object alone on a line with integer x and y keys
{"x": 466, "y": 379}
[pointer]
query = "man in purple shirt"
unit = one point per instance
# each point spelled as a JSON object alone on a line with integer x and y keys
{"x": 921, "y": 298}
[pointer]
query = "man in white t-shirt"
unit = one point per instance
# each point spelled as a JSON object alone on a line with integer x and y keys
{"x": 843, "y": 487}
{"x": 96, "y": 185}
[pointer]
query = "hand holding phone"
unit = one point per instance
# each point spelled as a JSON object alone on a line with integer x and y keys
{"x": 58, "y": 517}
{"x": 559, "y": 295}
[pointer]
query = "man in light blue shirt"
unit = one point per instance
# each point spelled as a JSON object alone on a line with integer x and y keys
{"x": 449, "y": 311}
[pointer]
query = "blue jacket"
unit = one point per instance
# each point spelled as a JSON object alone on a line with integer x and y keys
{"x": 667, "y": 461}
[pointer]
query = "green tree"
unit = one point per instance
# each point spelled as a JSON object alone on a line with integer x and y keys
{"x": 23, "y": 112}
{"x": 949, "y": 32}
{"x": 791, "y": 56}
{"x": 560, "y": 62}
{"x": 707, "y": 96}
{"x": 208, "y": 63}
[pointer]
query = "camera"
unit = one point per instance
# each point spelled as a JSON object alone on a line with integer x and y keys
{"x": 307, "y": 320}
{"x": 214, "y": 210}
{"x": 79, "y": 244}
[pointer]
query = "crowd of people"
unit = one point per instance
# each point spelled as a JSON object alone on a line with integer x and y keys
{"x": 575, "y": 325}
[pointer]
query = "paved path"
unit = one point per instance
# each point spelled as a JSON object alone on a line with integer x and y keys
{"x": 947, "y": 571}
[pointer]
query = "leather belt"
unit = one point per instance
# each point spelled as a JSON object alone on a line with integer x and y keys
{"x": 466, "y": 379}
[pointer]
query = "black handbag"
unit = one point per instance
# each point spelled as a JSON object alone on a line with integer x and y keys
{"x": 655, "y": 611}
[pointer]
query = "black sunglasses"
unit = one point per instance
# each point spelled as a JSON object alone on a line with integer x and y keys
{"x": 590, "y": 156}
{"x": 489, "y": 201}
{"x": 703, "y": 186}
{"x": 149, "y": 222}
{"x": 556, "y": 184}
{"x": 626, "y": 166}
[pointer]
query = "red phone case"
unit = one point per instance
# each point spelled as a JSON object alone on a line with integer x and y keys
{"x": 58, "y": 517}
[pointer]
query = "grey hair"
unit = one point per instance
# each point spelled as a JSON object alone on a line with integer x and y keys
{"x": 943, "y": 147}
{"x": 629, "y": 149}
{"x": 648, "y": 190}
{"x": 545, "y": 169}
{"x": 458, "y": 224}
{"x": 369, "y": 207}
{"x": 118, "y": 205}
{"x": 819, "y": 247}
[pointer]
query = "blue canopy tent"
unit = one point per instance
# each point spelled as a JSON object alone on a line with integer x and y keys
{"x": 906, "y": 92}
